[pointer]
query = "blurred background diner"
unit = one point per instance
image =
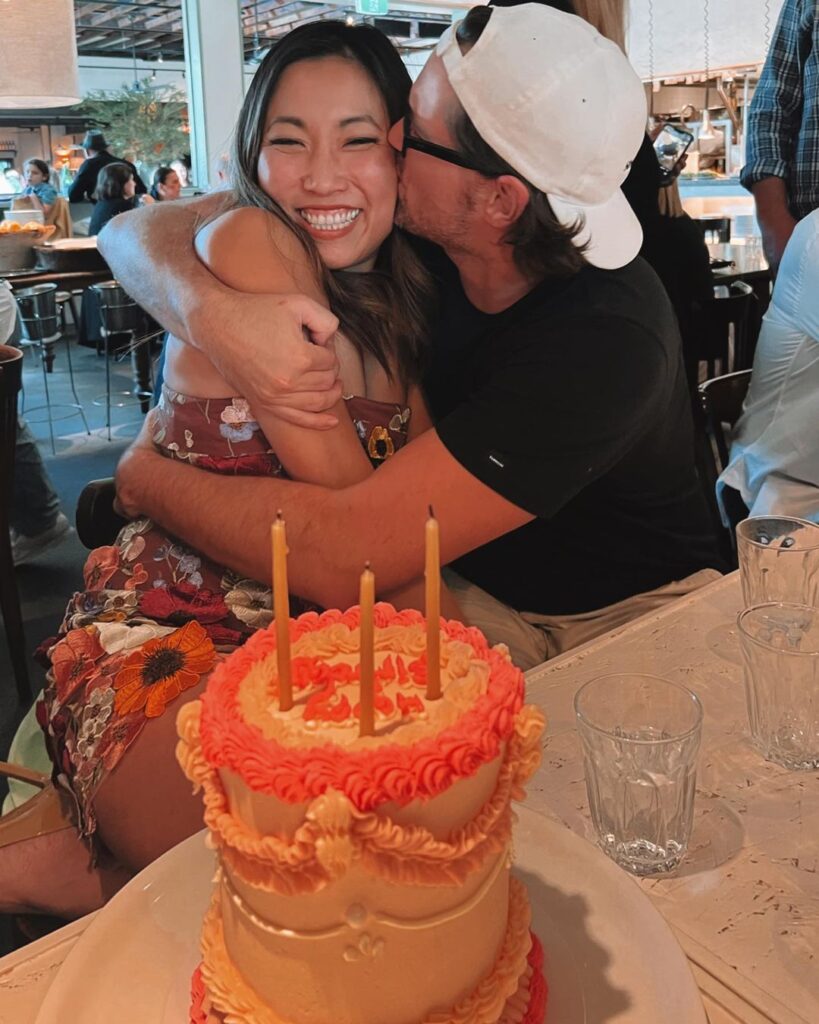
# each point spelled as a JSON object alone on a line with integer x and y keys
{"x": 142, "y": 92}
{"x": 114, "y": 193}
{"x": 166, "y": 185}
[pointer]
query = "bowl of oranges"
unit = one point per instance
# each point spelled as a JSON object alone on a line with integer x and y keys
{"x": 17, "y": 242}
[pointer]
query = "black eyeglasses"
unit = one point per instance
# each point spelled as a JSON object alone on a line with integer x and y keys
{"x": 451, "y": 156}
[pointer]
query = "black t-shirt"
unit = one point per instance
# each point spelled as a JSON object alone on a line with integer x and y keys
{"x": 572, "y": 404}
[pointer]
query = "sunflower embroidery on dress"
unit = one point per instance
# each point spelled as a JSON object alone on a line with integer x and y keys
{"x": 159, "y": 670}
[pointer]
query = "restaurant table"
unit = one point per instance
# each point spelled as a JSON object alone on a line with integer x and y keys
{"x": 749, "y": 263}
{"x": 65, "y": 280}
{"x": 744, "y": 905}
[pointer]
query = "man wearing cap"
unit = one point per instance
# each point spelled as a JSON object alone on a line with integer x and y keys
{"x": 561, "y": 463}
{"x": 96, "y": 157}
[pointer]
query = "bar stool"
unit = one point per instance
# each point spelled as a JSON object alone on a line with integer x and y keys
{"x": 39, "y": 318}
{"x": 64, "y": 299}
{"x": 120, "y": 315}
{"x": 11, "y": 376}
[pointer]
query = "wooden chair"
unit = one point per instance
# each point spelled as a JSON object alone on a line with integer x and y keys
{"x": 718, "y": 320}
{"x": 11, "y": 375}
{"x": 721, "y": 401}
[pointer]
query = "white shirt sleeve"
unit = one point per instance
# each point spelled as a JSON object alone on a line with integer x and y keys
{"x": 8, "y": 312}
{"x": 797, "y": 285}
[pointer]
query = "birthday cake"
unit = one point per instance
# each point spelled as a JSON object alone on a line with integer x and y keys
{"x": 364, "y": 879}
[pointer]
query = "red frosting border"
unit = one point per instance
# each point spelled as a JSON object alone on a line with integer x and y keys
{"x": 368, "y": 777}
{"x": 535, "y": 1011}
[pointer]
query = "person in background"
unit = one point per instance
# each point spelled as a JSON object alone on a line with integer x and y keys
{"x": 782, "y": 168}
{"x": 675, "y": 247}
{"x": 774, "y": 458}
{"x": 38, "y": 188}
{"x": 97, "y": 157}
{"x": 115, "y": 194}
{"x": 166, "y": 184}
{"x": 36, "y": 520}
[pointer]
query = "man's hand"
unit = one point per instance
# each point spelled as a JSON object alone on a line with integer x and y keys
{"x": 259, "y": 343}
{"x": 775, "y": 219}
{"x": 267, "y": 355}
{"x": 776, "y": 234}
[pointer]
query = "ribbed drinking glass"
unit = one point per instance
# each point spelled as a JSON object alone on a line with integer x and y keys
{"x": 780, "y": 646}
{"x": 778, "y": 560}
{"x": 641, "y": 736}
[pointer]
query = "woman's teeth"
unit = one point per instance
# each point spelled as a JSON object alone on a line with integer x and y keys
{"x": 331, "y": 220}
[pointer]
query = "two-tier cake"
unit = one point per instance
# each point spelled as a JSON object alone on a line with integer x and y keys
{"x": 365, "y": 879}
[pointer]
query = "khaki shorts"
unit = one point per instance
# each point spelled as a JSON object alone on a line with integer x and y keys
{"x": 533, "y": 638}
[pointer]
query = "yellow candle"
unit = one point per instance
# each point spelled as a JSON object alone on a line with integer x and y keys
{"x": 432, "y": 586}
{"x": 366, "y": 600}
{"x": 281, "y": 611}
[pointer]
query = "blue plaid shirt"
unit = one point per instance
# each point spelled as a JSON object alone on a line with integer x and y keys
{"x": 783, "y": 121}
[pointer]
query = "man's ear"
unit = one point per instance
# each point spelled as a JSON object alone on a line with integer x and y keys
{"x": 506, "y": 202}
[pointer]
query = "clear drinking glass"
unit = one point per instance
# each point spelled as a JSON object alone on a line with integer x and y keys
{"x": 780, "y": 645}
{"x": 641, "y": 735}
{"x": 778, "y": 560}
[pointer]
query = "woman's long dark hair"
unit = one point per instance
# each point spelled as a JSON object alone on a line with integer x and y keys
{"x": 112, "y": 180}
{"x": 384, "y": 312}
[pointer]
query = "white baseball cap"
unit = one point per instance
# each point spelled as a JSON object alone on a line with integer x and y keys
{"x": 562, "y": 105}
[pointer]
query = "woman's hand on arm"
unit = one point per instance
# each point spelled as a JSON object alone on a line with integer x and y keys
{"x": 151, "y": 252}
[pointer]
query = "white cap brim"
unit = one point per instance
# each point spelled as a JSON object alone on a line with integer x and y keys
{"x": 611, "y": 232}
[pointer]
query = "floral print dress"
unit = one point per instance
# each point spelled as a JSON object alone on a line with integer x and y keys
{"x": 155, "y": 616}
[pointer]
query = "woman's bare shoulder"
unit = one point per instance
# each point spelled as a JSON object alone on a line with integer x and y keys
{"x": 254, "y": 251}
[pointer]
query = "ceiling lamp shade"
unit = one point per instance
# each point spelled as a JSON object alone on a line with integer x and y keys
{"x": 38, "y": 54}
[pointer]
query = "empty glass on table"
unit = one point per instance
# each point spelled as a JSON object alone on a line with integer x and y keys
{"x": 780, "y": 646}
{"x": 778, "y": 560}
{"x": 641, "y": 736}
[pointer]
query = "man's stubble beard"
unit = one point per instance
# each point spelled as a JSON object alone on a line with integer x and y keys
{"x": 451, "y": 233}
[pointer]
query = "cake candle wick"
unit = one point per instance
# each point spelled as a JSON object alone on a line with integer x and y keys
{"x": 432, "y": 588}
{"x": 281, "y": 612}
{"x": 366, "y": 603}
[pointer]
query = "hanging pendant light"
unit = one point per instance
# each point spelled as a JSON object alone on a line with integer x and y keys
{"x": 706, "y": 131}
{"x": 38, "y": 67}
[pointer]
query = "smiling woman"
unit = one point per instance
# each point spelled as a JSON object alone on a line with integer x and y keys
{"x": 315, "y": 188}
{"x": 330, "y": 167}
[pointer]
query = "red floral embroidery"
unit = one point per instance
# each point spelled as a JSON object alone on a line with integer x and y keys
{"x": 256, "y": 464}
{"x": 180, "y": 602}
{"x": 73, "y": 660}
{"x": 101, "y": 565}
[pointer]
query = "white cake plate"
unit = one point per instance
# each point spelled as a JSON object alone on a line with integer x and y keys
{"x": 610, "y": 957}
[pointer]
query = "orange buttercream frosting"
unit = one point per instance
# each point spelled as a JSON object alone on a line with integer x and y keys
{"x": 335, "y": 832}
{"x": 420, "y": 748}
